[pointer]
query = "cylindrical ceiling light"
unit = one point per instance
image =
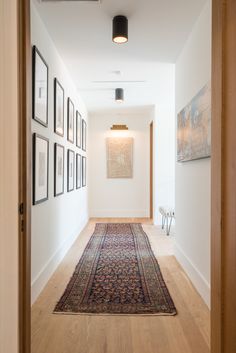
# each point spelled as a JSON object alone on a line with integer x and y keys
{"x": 119, "y": 96}
{"x": 120, "y": 29}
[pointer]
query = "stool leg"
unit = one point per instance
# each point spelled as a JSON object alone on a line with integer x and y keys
{"x": 163, "y": 222}
{"x": 168, "y": 232}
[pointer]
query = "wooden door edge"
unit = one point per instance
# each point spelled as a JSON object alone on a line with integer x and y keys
{"x": 24, "y": 133}
{"x": 151, "y": 170}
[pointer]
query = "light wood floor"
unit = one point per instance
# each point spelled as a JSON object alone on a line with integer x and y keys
{"x": 188, "y": 332}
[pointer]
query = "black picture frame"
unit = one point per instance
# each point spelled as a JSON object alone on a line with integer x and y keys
{"x": 57, "y": 146}
{"x": 70, "y": 116}
{"x": 78, "y": 129}
{"x": 78, "y": 171}
{"x": 84, "y": 174}
{"x": 70, "y": 169}
{"x": 35, "y": 78}
{"x": 57, "y": 87}
{"x": 84, "y": 135}
{"x": 36, "y": 168}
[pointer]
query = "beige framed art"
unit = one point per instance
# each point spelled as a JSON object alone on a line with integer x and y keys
{"x": 119, "y": 157}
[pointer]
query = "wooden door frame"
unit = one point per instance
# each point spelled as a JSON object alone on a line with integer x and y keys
{"x": 25, "y": 112}
{"x": 223, "y": 142}
{"x": 223, "y": 185}
{"x": 151, "y": 170}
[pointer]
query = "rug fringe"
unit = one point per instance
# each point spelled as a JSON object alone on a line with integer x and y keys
{"x": 108, "y": 314}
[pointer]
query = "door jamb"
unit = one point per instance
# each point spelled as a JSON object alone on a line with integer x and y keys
{"x": 25, "y": 93}
{"x": 223, "y": 226}
{"x": 151, "y": 170}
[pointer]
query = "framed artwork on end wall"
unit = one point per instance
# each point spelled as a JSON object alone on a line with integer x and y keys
{"x": 78, "y": 171}
{"x": 83, "y": 171}
{"x": 120, "y": 157}
{"x": 78, "y": 129}
{"x": 70, "y": 120}
{"x": 70, "y": 170}
{"x": 40, "y": 168}
{"x": 58, "y": 108}
{"x": 58, "y": 169}
{"x": 84, "y": 133}
{"x": 40, "y": 88}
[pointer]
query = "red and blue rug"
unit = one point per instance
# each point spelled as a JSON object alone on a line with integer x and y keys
{"x": 117, "y": 274}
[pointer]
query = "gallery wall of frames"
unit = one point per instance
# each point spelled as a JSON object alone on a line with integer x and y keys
{"x": 70, "y": 162}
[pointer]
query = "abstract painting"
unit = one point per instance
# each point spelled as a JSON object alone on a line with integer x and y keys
{"x": 194, "y": 128}
{"x": 119, "y": 157}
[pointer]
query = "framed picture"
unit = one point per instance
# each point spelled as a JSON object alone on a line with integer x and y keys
{"x": 83, "y": 171}
{"x": 78, "y": 171}
{"x": 194, "y": 127}
{"x": 58, "y": 169}
{"x": 120, "y": 157}
{"x": 40, "y": 88}
{"x": 84, "y": 132}
{"x": 70, "y": 121}
{"x": 40, "y": 168}
{"x": 78, "y": 129}
{"x": 58, "y": 108}
{"x": 70, "y": 170}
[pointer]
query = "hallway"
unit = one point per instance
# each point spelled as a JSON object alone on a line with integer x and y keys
{"x": 187, "y": 332}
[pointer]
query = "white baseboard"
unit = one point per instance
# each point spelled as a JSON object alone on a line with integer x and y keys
{"x": 119, "y": 213}
{"x": 198, "y": 280}
{"x": 49, "y": 268}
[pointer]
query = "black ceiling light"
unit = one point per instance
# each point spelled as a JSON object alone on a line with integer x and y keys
{"x": 119, "y": 96}
{"x": 120, "y": 29}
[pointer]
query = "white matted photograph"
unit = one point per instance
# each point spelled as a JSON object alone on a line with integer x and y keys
{"x": 84, "y": 171}
{"x": 84, "y": 135}
{"x": 70, "y": 170}
{"x": 58, "y": 169}
{"x": 78, "y": 129}
{"x": 40, "y": 88}
{"x": 70, "y": 120}
{"x": 78, "y": 171}
{"x": 58, "y": 108}
{"x": 40, "y": 168}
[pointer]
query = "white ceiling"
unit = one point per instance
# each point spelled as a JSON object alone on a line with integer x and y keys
{"x": 81, "y": 32}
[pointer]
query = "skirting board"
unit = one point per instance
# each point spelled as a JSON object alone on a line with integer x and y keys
{"x": 119, "y": 213}
{"x": 45, "y": 274}
{"x": 197, "y": 279}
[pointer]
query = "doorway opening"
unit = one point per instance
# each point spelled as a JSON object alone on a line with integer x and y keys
{"x": 25, "y": 58}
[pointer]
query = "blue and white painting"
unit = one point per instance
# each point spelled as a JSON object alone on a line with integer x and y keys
{"x": 194, "y": 127}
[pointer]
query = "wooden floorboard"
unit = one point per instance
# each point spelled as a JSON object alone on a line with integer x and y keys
{"x": 188, "y": 332}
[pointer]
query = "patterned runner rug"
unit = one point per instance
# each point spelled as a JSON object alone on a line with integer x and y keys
{"x": 117, "y": 274}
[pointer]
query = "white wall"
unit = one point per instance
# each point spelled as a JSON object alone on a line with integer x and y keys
{"x": 9, "y": 155}
{"x": 57, "y": 222}
{"x": 119, "y": 197}
{"x": 193, "y": 71}
{"x": 164, "y": 144}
